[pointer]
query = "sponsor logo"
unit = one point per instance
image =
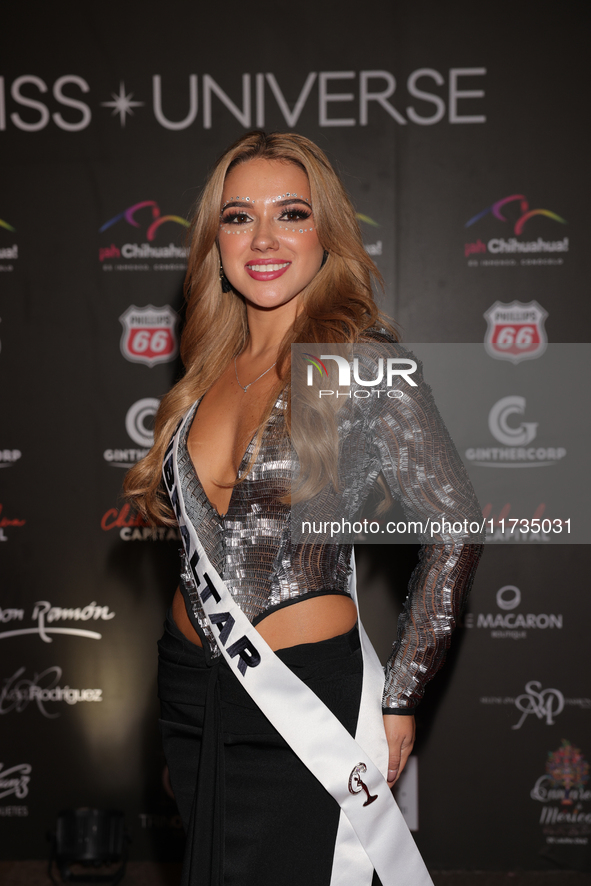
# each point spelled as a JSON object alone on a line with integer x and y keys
{"x": 9, "y": 457}
{"x": 43, "y": 691}
{"x": 506, "y": 250}
{"x": 503, "y": 528}
{"x": 149, "y": 334}
{"x": 563, "y": 792}
{"x": 8, "y": 522}
{"x": 139, "y": 423}
{"x": 516, "y": 437}
{"x": 371, "y": 248}
{"x": 508, "y": 624}
{"x": 15, "y": 780}
{"x": 146, "y": 221}
{"x": 133, "y": 527}
{"x": 44, "y": 614}
{"x": 254, "y": 100}
{"x": 8, "y": 253}
{"x": 515, "y": 331}
{"x": 543, "y": 704}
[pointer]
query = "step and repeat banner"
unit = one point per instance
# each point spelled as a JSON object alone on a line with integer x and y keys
{"x": 459, "y": 133}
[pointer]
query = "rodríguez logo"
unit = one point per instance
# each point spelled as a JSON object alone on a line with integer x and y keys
{"x": 42, "y": 690}
{"x": 508, "y": 624}
{"x": 389, "y": 370}
{"x": 8, "y": 253}
{"x": 515, "y": 331}
{"x": 15, "y": 780}
{"x": 139, "y": 423}
{"x": 149, "y": 334}
{"x": 512, "y": 247}
{"x": 516, "y": 438}
{"x": 44, "y": 614}
{"x": 143, "y": 256}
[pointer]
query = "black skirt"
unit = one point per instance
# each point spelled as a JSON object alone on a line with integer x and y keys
{"x": 253, "y": 813}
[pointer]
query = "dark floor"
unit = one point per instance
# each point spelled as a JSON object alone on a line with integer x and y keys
{"x": 143, "y": 873}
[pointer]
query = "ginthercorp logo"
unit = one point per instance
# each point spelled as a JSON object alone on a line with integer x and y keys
{"x": 139, "y": 424}
{"x": 508, "y": 624}
{"x": 8, "y": 246}
{"x": 565, "y": 816}
{"x": 48, "y": 619}
{"x": 515, "y": 331}
{"x": 389, "y": 371}
{"x": 149, "y": 334}
{"x": 538, "y": 703}
{"x": 516, "y": 438}
{"x": 143, "y": 221}
{"x": 506, "y": 250}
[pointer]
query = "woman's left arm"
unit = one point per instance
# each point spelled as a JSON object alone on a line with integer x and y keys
{"x": 424, "y": 471}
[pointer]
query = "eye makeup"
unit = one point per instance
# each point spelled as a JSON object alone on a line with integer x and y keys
{"x": 237, "y": 221}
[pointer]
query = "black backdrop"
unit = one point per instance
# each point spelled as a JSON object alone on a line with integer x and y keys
{"x": 110, "y": 116}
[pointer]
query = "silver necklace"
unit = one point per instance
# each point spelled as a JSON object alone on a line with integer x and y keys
{"x": 246, "y": 387}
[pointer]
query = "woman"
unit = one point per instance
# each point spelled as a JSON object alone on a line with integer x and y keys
{"x": 276, "y": 257}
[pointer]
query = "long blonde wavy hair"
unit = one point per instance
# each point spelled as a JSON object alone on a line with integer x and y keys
{"x": 336, "y": 306}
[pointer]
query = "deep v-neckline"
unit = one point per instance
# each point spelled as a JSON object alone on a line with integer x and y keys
{"x": 208, "y": 501}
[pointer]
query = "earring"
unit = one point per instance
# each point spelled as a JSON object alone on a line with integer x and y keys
{"x": 324, "y": 257}
{"x": 226, "y": 285}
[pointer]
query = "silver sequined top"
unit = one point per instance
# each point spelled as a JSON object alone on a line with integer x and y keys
{"x": 251, "y": 546}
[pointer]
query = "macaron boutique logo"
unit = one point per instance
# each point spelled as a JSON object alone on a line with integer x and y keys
{"x": 8, "y": 248}
{"x": 506, "y": 623}
{"x": 514, "y": 210}
{"x": 146, "y": 221}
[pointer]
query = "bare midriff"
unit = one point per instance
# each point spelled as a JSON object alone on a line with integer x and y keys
{"x": 309, "y": 621}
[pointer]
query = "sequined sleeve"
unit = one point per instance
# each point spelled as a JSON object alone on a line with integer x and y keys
{"x": 424, "y": 471}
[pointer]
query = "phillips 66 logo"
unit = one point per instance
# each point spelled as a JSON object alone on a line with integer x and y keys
{"x": 515, "y": 331}
{"x": 149, "y": 334}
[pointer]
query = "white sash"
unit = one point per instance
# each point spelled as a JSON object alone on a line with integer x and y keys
{"x": 372, "y": 832}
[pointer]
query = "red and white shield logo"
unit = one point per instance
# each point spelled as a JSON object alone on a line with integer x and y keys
{"x": 515, "y": 331}
{"x": 149, "y": 334}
